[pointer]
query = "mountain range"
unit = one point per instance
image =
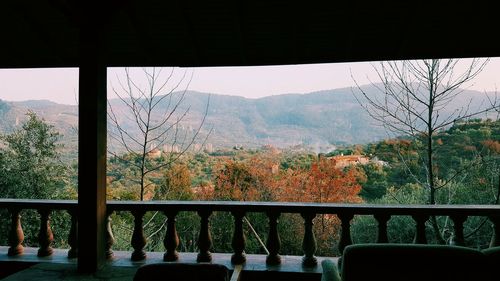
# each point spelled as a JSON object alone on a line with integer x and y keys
{"x": 317, "y": 119}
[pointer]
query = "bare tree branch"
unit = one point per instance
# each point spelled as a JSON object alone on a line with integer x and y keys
{"x": 155, "y": 109}
{"x": 412, "y": 100}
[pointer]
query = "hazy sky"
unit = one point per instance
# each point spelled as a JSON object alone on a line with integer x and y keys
{"x": 61, "y": 85}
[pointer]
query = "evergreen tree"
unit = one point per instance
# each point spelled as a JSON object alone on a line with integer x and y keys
{"x": 30, "y": 165}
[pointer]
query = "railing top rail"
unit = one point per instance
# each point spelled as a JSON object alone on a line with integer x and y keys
{"x": 281, "y": 207}
{"x": 298, "y": 207}
{"x": 38, "y": 204}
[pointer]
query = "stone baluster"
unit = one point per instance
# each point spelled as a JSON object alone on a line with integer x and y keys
{"x": 238, "y": 242}
{"x": 458, "y": 226}
{"x": 495, "y": 238}
{"x": 73, "y": 235}
{"x": 171, "y": 241}
{"x": 345, "y": 234}
{"x": 110, "y": 238}
{"x": 138, "y": 239}
{"x": 273, "y": 243}
{"x": 420, "y": 237}
{"x": 204, "y": 239}
{"x": 16, "y": 234}
{"x": 45, "y": 236}
{"x": 309, "y": 242}
{"x": 382, "y": 220}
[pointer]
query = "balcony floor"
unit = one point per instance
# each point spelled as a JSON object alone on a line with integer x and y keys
{"x": 59, "y": 267}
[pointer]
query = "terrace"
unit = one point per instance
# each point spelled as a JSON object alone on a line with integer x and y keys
{"x": 273, "y": 266}
{"x": 93, "y": 36}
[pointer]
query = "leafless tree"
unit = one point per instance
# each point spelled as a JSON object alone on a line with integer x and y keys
{"x": 156, "y": 111}
{"x": 414, "y": 100}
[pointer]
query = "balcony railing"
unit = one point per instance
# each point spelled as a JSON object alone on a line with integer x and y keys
{"x": 345, "y": 212}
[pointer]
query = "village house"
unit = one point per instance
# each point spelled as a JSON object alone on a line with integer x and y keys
{"x": 342, "y": 161}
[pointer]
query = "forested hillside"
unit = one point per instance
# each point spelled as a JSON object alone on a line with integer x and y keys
{"x": 317, "y": 119}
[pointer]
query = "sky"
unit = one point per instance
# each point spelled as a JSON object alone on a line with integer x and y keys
{"x": 61, "y": 84}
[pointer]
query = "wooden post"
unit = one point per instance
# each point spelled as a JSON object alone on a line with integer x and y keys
{"x": 382, "y": 220}
{"x": 110, "y": 238}
{"x": 458, "y": 226}
{"x": 138, "y": 239}
{"x": 92, "y": 134}
{"x": 238, "y": 242}
{"x": 171, "y": 241}
{"x": 309, "y": 242}
{"x": 73, "y": 235}
{"x": 204, "y": 239}
{"x": 16, "y": 234}
{"x": 420, "y": 237}
{"x": 45, "y": 236}
{"x": 345, "y": 234}
{"x": 273, "y": 240}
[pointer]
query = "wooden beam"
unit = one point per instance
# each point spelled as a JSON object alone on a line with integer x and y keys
{"x": 91, "y": 152}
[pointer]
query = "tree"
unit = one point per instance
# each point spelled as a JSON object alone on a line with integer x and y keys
{"x": 31, "y": 168}
{"x": 157, "y": 114}
{"x": 322, "y": 183}
{"x": 176, "y": 184}
{"x": 30, "y": 164}
{"x": 375, "y": 183}
{"x": 415, "y": 101}
{"x": 235, "y": 180}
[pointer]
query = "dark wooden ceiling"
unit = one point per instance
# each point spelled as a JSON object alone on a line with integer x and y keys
{"x": 47, "y": 33}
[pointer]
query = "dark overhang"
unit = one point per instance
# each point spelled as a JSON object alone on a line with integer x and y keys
{"x": 47, "y": 33}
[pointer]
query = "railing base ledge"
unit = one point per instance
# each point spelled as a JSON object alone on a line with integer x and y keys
{"x": 289, "y": 264}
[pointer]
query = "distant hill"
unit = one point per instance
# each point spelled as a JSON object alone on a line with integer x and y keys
{"x": 315, "y": 119}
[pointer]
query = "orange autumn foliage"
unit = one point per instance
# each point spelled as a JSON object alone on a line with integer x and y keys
{"x": 323, "y": 183}
{"x": 492, "y": 145}
{"x": 244, "y": 180}
{"x": 257, "y": 180}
